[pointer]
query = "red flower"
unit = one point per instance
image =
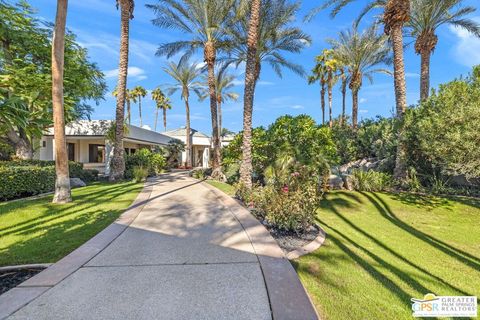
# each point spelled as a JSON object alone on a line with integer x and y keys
{"x": 285, "y": 189}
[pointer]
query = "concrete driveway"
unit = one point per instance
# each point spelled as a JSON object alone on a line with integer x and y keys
{"x": 184, "y": 254}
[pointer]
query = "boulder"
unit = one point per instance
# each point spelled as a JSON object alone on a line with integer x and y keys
{"x": 77, "y": 183}
{"x": 335, "y": 182}
{"x": 347, "y": 182}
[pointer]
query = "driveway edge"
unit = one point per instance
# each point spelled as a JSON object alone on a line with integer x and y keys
{"x": 16, "y": 298}
{"x": 309, "y": 247}
{"x": 288, "y": 298}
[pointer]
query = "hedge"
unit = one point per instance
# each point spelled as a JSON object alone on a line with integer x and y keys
{"x": 24, "y": 181}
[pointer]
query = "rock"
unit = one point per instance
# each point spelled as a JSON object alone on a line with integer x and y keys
{"x": 335, "y": 182}
{"x": 347, "y": 182}
{"x": 77, "y": 183}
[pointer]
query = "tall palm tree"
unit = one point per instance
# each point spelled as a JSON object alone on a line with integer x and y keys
{"x": 332, "y": 66}
{"x": 224, "y": 82}
{"x": 425, "y": 18}
{"x": 62, "y": 182}
{"x": 263, "y": 39}
{"x": 319, "y": 73}
{"x": 185, "y": 76}
{"x": 129, "y": 98}
{"x": 203, "y": 24}
{"x": 117, "y": 167}
{"x": 361, "y": 53}
{"x": 162, "y": 102}
{"x": 139, "y": 92}
{"x": 343, "y": 89}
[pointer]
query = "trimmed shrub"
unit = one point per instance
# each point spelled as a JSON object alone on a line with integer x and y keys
{"x": 75, "y": 168}
{"x": 24, "y": 181}
{"x": 371, "y": 180}
{"x": 154, "y": 163}
{"x": 140, "y": 174}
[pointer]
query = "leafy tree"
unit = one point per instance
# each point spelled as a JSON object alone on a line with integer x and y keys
{"x": 117, "y": 167}
{"x": 185, "y": 76}
{"x": 62, "y": 181}
{"x": 443, "y": 133}
{"x": 362, "y": 53}
{"x": 162, "y": 102}
{"x": 204, "y": 25}
{"x": 137, "y": 94}
{"x": 25, "y": 74}
{"x": 224, "y": 82}
{"x": 425, "y": 18}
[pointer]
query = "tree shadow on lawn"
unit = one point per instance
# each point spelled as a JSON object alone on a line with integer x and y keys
{"x": 431, "y": 202}
{"x": 384, "y": 209}
{"x": 391, "y": 251}
{"x": 59, "y": 239}
{"x": 54, "y": 211}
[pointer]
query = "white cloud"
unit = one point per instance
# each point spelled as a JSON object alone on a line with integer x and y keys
{"x": 238, "y": 82}
{"x": 363, "y": 111}
{"x": 134, "y": 72}
{"x": 412, "y": 75}
{"x": 298, "y": 106}
{"x": 467, "y": 48}
{"x": 362, "y": 100}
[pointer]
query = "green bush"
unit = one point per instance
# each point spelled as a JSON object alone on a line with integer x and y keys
{"x": 24, "y": 181}
{"x": 370, "y": 180}
{"x": 140, "y": 174}
{"x": 75, "y": 168}
{"x": 154, "y": 163}
{"x": 6, "y": 151}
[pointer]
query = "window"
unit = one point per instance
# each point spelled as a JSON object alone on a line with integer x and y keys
{"x": 44, "y": 143}
{"x": 96, "y": 153}
{"x": 71, "y": 151}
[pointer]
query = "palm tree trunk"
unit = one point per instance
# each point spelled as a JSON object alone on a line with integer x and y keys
{"x": 425, "y": 75}
{"x": 129, "y": 111}
{"x": 156, "y": 119}
{"x": 210, "y": 56}
{"x": 354, "y": 108}
{"x": 396, "y": 35}
{"x": 219, "y": 105}
{"x": 117, "y": 167}
{"x": 246, "y": 168}
{"x": 344, "y": 104}
{"x": 140, "y": 110}
{"x": 188, "y": 149}
{"x": 330, "y": 122}
{"x": 62, "y": 182}
{"x": 322, "y": 99}
{"x": 165, "y": 119}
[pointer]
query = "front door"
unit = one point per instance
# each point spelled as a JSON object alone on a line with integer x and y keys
{"x": 71, "y": 151}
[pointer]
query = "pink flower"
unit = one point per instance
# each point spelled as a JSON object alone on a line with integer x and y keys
{"x": 295, "y": 174}
{"x": 251, "y": 204}
{"x": 285, "y": 189}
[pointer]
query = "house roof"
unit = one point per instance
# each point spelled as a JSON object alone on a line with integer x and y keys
{"x": 182, "y": 132}
{"x": 97, "y": 128}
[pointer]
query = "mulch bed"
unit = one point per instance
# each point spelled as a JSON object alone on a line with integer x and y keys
{"x": 290, "y": 240}
{"x": 10, "y": 279}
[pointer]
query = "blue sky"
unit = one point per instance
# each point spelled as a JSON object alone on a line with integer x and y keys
{"x": 97, "y": 24}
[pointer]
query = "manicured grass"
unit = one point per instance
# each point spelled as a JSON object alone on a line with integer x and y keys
{"x": 225, "y": 187}
{"x": 37, "y": 231}
{"x": 383, "y": 249}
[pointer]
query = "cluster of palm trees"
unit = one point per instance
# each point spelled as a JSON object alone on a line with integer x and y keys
{"x": 356, "y": 55}
{"x": 233, "y": 32}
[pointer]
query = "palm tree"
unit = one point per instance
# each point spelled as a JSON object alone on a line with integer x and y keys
{"x": 319, "y": 74}
{"x": 139, "y": 92}
{"x": 128, "y": 99}
{"x": 62, "y": 182}
{"x": 117, "y": 167}
{"x": 263, "y": 38}
{"x": 163, "y": 103}
{"x": 224, "y": 82}
{"x": 185, "y": 76}
{"x": 361, "y": 53}
{"x": 205, "y": 22}
{"x": 425, "y": 18}
{"x": 343, "y": 89}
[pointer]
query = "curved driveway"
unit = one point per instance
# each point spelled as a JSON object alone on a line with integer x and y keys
{"x": 184, "y": 254}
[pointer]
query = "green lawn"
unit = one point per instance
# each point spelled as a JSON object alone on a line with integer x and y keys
{"x": 37, "y": 231}
{"x": 383, "y": 249}
{"x": 225, "y": 187}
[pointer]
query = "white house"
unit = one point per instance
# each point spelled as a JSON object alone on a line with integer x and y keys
{"x": 87, "y": 143}
{"x": 201, "y": 144}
